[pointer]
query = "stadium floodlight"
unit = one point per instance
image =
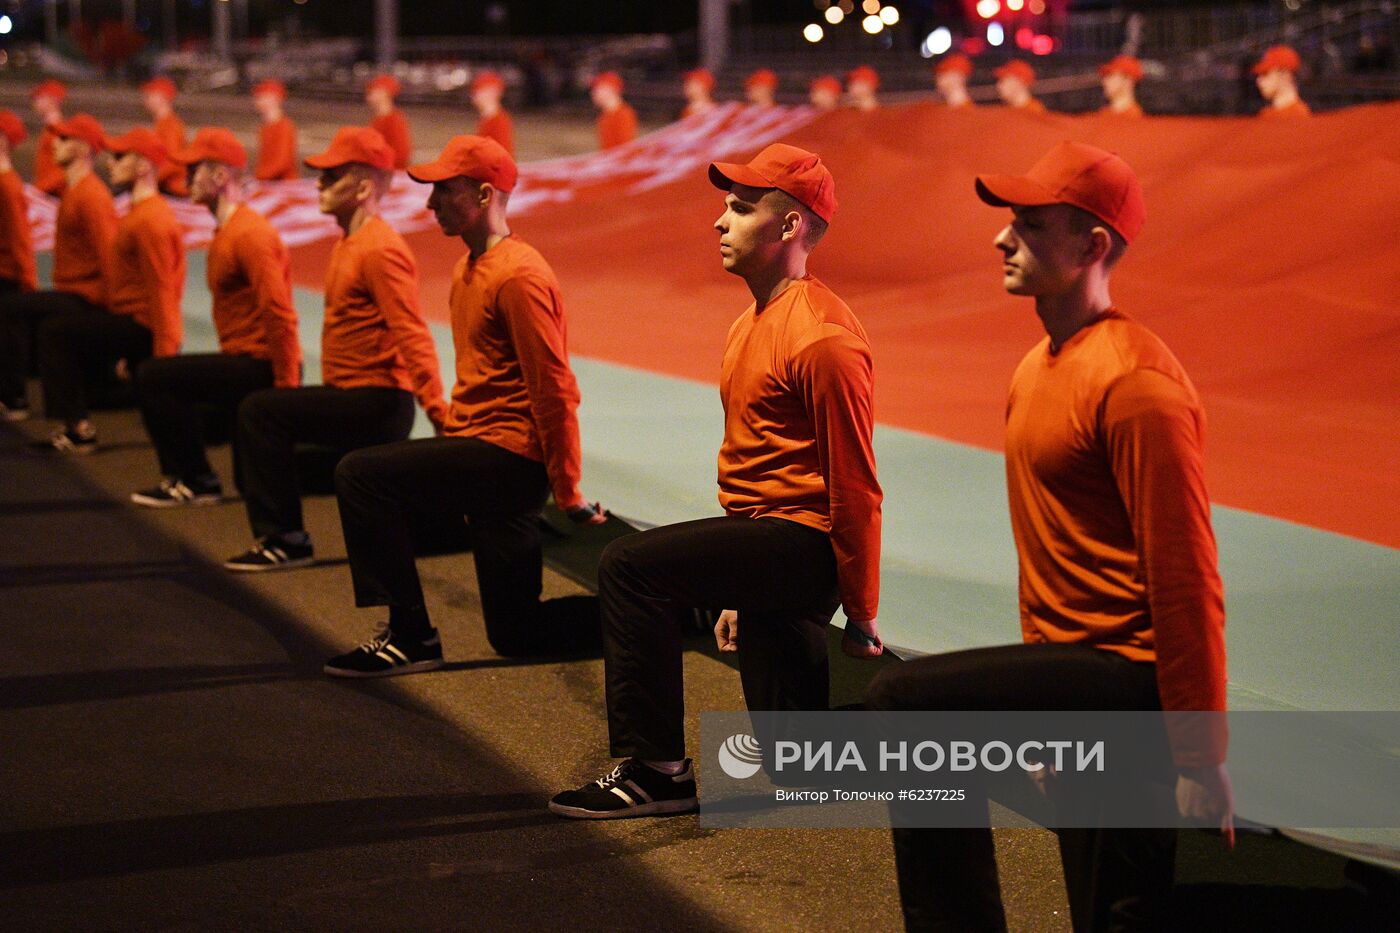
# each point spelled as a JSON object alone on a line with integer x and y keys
{"x": 995, "y": 34}
{"x": 872, "y": 24}
{"x": 871, "y": 7}
{"x": 6, "y": 24}
{"x": 889, "y": 15}
{"x": 988, "y": 8}
{"x": 813, "y": 32}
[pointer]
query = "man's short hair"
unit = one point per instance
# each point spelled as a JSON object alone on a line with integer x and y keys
{"x": 813, "y": 227}
{"x": 1084, "y": 222}
{"x": 380, "y": 178}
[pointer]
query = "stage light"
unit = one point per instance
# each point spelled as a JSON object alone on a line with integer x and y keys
{"x": 1015, "y": 6}
{"x": 847, "y": 6}
{"x": 938, "y": 41}
{"x": 1042, "y": 45}
{"x": 1024, "y": 37}
{"x": 5, "y": 25}
{"x": 813, "y": 33}
{"x": 872, "y": 24}
{"x": 834, "y": 15}
{"x": 1037, "y": 7}
{"x": 995, "y": 34}
{"x": 988, "y": 8}
{"x": 889, "y": 15}
{"x": 870, "y": 6}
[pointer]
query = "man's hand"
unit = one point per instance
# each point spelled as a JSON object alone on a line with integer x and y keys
{"x": 439, "y": 428}
{"x": 122, "y": 370}
{"x": 586, "y": 513}
{"x": 862, "y": 639}
{"x": 1205, "y": 795}
{"x": 727, "y": 631}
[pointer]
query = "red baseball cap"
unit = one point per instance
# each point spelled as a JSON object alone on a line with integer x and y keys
{"x": 702, "y": 75}
{"x": 485, "y": 79}
{"x": 1123, "y": 65}
{"x": 864, "y": 73}
{"x": 355, "y": 144}
{"x": 82, "y": 126}
{"x": 162, "y": 86}
{"x": 143, "y": 142}
{"x": 1278, "y": 58}
{"x": 957, "y": 63}
{"x": 386, "y": 83}
{"x": 475, "y": 157}
{"x": 1073, "y": 173}
{"x": 608, "y": 79}
{"x": 213, "y": 144}
{"x": 270, "y": 88}
{"x": 791, "y": 170}
{"x": 826, "y": 83}
{"x": 1017, "y": 69}
{"x": 763, "y": 77}
{"x": 55, "y": 89}
{"x": 12, "y": 127}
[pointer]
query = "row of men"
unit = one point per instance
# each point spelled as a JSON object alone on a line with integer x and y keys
{"x": 1121, "y": 602}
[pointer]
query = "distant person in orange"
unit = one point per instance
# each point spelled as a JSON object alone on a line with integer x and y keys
{"x": 861, "y": 85}
{"x": 761, "y": 87}
{"x": 617, "y": 121}
{"x": 1276, "y": 75}
{"x": 158, "y": 96}
{"x": 47, "y": 101}
{"x": 950, "y": 77}
{"x": 388, "y": 120}
{"x": 487, "y": 89}
{"x": 697, "y": 86}
{"x": 82, "y": 250}
{"x": 825, "y": 93}
{"x": 1120, "y": 79}
{"x": 18, "y": 273}
{"x": 511, "y": 438}
{"x": 249, "y": 273}
{"x": 377, "y": 356}
{"x": 277, "y": 140}
{"x": 145, "y": 282}
{"x": 1014, "y": 82}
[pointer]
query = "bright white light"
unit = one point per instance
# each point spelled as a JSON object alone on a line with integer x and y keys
{"x": 988, "y": 8}
{"x": 5, "y": 25}
{"x": 813, "y": 32}
{"x": 872, "y": 24}
{"x": 1015, "y": 6}
{"x": 995, "y": 34}
{"x": 939, "y": 41}
{"x": 834, "y": 15}
{"x": 871, "y": 6}
{"x": 889, "y": 15}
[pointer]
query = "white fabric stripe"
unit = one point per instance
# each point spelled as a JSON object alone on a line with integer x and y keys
{"x": 638, "y": 788}
{"x": 401, "y": 656}
{"x": 623, "y": 794}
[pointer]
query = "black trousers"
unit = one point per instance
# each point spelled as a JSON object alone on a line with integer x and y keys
{"x": 271, "y": 422}
{"x": 21, "y": 314}
{"x": 73, "y": 344}
{"x": 1117, "y": 879}
{"x": 501, "y": 495}
{"x": 779, "y": 575}
{"x": 177, "y": 394}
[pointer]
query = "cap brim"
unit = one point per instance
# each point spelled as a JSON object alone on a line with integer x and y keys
{"x": 725, "y": 175}
{"x": 430, "y": 172}
{"x": 324, "y": 161}
{"x": 1013, "y": 191}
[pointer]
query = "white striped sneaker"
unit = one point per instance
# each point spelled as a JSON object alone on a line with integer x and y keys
{"x": 173, "y": 493}
{"x": 271, "y": 554}
{"x": 633, "y": 788}
{"x": 388, "y": 655}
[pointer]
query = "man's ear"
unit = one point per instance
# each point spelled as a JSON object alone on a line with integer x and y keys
{"x": 485, "y": 194}
{"x": 792, "y": 225}
{"x": 1100, "y": 244}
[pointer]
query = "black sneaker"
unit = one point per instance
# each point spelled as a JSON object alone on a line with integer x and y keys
{"x": 388, "y": 655}
{"x": 71, "y": 442}
{"x": 271, "y": 554}
{"x": 14, "y": 410}
{"x": 174, "y": 493}
{"x": 631, "y": 789}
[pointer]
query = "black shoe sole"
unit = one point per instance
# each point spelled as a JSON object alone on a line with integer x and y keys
{"x": 655, "y": 808}
{"x": 417, "y": 667}
{"x": 292, "y": 564}
{"x": 153, "y": 503}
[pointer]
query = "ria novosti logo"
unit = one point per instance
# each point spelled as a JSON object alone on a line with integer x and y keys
{"x": 740, "y": 756}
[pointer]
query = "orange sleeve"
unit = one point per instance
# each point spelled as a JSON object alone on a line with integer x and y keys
{"x": 534, "y": 318}
{"x": 1153, "y": 430}
{"x": 394, "y": 128}
{"x": 277, "y": 152}
{"x": 160, "y": 256}
{"x": 99, "y": 219}
{"x": 15, "y": 229}
{"x": 269, "y": 267}
{"x": 392, "y": 277}
{"x": 836, "y": 378}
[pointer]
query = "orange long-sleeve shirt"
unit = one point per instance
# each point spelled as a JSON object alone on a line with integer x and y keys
{"x": 277, "y": 151}
{"x": 82, "y": 242}
{"x": 16, "y": 245}
{"x": 1296, "y": 109}
{"x": 48, "y": 177}
{"x": 374, "y": 332}
{"x": 514, "y": 385}
{"x": 797, "y": 386}
{"x": 171, "y": 130}
{"x": 1109, "y": 509}
{"x": 147, "y": 275}
{"x": 393, "y": 126}
{"x": 499, "y": 127}
{"x": 617, "y": 127}
{"x": 249, "y": 272}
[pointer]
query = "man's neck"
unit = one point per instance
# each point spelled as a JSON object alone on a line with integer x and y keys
{"x": 612, "y": 106}
{"x": 160, "y": 113}
{"x": 1284, "y": 98}
{"x": 224, "y": 206}
{"x": 52, "y": 117}
{"x": 488, "y": 111}
{"x": 76, "y": 171}
{"x": 956, "y": 97}
{"x": 1065, "y": 315}
{"x": 5, "y": 164}
{"x": 143, "y": 189}
{"x": 479, "y": 241}
{"x": 272, "y": 117}
{"x": 772, "y": 282}
{"x": 1019, "y": 98}
{"x": 1123, "y": 102}
{"x": 361, "y": 216}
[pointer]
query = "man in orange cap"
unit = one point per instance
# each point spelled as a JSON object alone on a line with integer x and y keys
{"x": 950, "y": 77}
{"x": 145, "y": 282}
{"x": 825, "y": 93}
{"x": 47, "y": 101}
{"x": 377, "y": 355}
{"x": 511, "y": 438}
{"x": 158, "y": 97}
{"x": 249, "y": 274}
{"x": 1121, "y": 602}
{"x": 760, "y": 88}
{"x": 1014, "y": 82}
{"x": 617, "y": 121}
{"x": 1276, "y": 74}
{"x": 83, "y": 233}
{"x": 698, "y": 86}
{"x": 17, "y": 270}
{"x": 797, "y": 481}
{"x": 277, "y": 139}
{"x": 1120, "y": 78}
{"x": 861, "y": 85}
{"x": 381, "y": 94}
{"x": 487, "y": 88}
